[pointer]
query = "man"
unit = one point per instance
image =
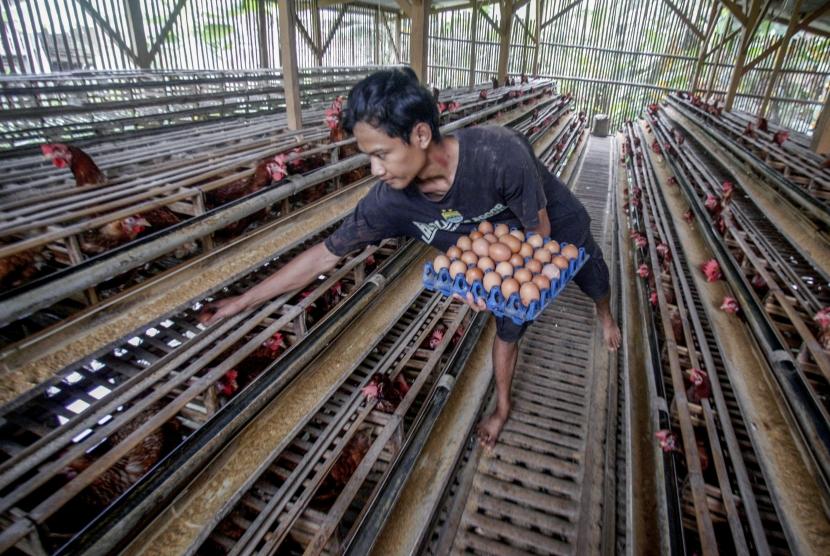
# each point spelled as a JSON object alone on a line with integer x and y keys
{"x": 435, "y": 189}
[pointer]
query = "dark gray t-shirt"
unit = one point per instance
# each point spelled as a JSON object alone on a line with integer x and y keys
{"x": 498, "y": 179}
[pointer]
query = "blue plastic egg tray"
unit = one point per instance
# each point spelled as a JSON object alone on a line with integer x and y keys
{"x": 512, "y": 307}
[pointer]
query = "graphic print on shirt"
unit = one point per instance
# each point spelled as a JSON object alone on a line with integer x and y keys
{"x": 451, "y": 220}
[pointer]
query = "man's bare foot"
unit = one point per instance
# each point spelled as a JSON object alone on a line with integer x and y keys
{"x": 490, "y": 428}
{"x": 611, "y": 333}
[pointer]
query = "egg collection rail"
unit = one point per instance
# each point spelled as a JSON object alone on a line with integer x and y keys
{"x": 542, "y": 488}
{"x": 160, "y": 385}
{"x": 717, "y": 498}
{"x": 303, "y": 501}
{"x": 796, "y": 172}
{"x": 196, "y": 232}
{"x": 779, "y": 291}
{"x": 67, "y": 439}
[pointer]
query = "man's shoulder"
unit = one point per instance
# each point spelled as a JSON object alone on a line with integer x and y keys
{"x": 491, "y": 133}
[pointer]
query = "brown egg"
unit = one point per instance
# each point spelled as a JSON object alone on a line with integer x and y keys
{"x": 535, "y": 241}
{"x": 485, "y": 227}
{"x": 523, "y": 275}
{"x": 491, "y": 238}
{"x": 465, "y": 243}
{"x": 542, "y": 255}
{"x": 481, "y": 247}
{"x": 552, "y": 246}
{"x": 529, "y": 293}
{"x": 454, "y": 252}
{"x": 550, "y": 271}
{"x": 516, "y": 260}
{"x": 526, "y": 250}
{"x": 500, "y": 252}
{"x": 505, "y": 269}
{"x": 541, "y": 282}
{"x": 513, "y": 243}
{"x": 501, "y": 230}
{"x": 457, "y": 267}
{"x": 570, "y": 251}
{"x": 509, "y": 287}
{"x": 518, "y": 234}
{"x": 491, "y": 280}
{"x": 534, "y": 266}
{"x": 469, "y": 257}
{"x": 560, "y": 262}
{"x": 475, "y": 235}
{"x": 486, "y": 263}
{"x": 474, "y": 274}
{"x": 441, "y": 261}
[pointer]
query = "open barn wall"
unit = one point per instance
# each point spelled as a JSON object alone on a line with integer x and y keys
{"x": 52, "y": 36}
{"x": 617, "y": 56}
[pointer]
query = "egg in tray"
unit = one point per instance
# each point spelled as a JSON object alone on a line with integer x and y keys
{"x": 517, "y": 275}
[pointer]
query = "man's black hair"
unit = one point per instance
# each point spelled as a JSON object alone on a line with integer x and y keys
{"x": 393, "y": 101}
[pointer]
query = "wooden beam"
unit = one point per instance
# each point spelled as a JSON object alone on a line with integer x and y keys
{"x": 802, "y": 25}
{"x": 317, "y": 31}
{"x": 527, "y": 33}
{"x": 418, "y": 38}
{"x": 341, "y": 12}
{"x": 135, "y": 26}
{"x": 168, "y": 26}
{"x": 473, "y": 38}
{"x": 288, "y": 57}
{"x": 307, "y": 38}
{"x": 488, "y": 19}
{"x": 821, "y": 134}
{"x": 726, "y": 39}
{"x": 716, "y": 66}
{"x": 714, "y": 14}
{"x": 736, "y": 11}
{"x": 746, "y": 39}
{"x": 406, "y": 7}
{"x": 537, "y": 32}
{"x": 807, "y": 29}
{"x": 562, "y": 12}
{"x": 391, "y": 37}
{"x": 505, "y": 26}
{"x": 105, "y": 26}
{"x": 779, "y": 60}
{"x": 684, "y": 18}
{"x": 376, "y": 51}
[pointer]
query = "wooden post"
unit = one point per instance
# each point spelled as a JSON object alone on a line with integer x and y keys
{"x": 418, "y": 38}
{"x": 780, "y": 56}
{"x": 821, "y": 134}
{"x": 505, "y": 27}
{"x": 398, "y": 35}
{"x": 135, "y": 26}
{"x": 473, "y": 32}
{"x": 317, "y": 34}
{"x": 376, "y": 53}
{"x": 537, "y": 36}
{"x": 262, "y": 30}
{"x": 288, "y": 57}
{"x": 704, "y": 43}
{"x": 746, "y": 38}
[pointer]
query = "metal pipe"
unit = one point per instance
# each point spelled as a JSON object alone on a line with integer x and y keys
{"x": 379, "y": 509}
{"x": 113, "y": 529}
{"x": 814, "y": 429}
{"x": 53, "y": 288}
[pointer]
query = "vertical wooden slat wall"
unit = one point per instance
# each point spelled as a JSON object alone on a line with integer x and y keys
{"x": 614, "y": 55}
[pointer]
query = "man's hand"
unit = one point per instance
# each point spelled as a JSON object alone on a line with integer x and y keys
{"x": 480, "y": 306}
{"x": 224, "y": 308}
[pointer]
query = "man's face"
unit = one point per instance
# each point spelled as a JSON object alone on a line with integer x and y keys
{"x": 392, "y": 160}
